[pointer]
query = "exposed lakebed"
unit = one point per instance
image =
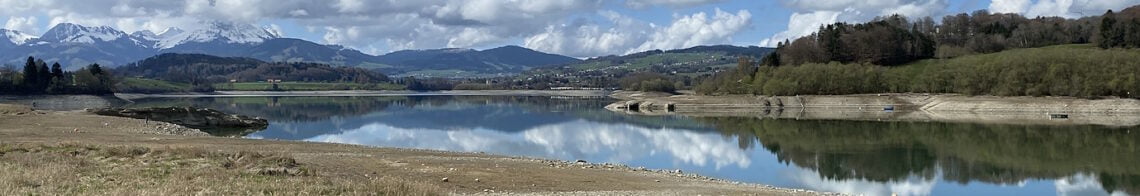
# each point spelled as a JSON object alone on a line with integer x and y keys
{"x": 857, "y": 157}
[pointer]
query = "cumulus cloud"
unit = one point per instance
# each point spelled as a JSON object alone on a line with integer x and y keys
{"x": 810, "y": 14}
{"x": 1062, "y": 8}
{"x": 23, "y": 24}
{"x": 699, "y": 29}
{"x": 581, "y": 28}
{"x": 628, "y": 35}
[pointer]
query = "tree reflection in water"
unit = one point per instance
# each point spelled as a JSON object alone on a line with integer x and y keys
{"x": 964, "y": 153}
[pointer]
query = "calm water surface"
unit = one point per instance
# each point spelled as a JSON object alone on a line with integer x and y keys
{"x": 872, "y": 158}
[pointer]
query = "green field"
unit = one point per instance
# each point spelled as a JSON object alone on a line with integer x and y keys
{"x": 304, "y": 86}
{"x": 143, "y": 85}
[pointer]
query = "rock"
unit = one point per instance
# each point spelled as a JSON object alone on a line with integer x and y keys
{"x": 444, "y": 180}
{"x": 275, "y": 171}
{"x": 199, "y": 118}
{"x": 580, "y": 161}
{"x": 476, "y": 180}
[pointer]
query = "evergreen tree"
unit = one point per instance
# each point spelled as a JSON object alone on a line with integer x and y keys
{"x": 44, "y": 75}
{"x": 56, "y": 71}
{"x": 31, "y": 75}
{"x": 58, "y": 84}
{"x": 1108, "y": 36}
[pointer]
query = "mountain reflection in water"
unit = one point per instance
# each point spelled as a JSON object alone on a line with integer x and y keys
{"x": 874, "y": 158}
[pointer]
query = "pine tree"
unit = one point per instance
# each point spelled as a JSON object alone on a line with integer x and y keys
{"x": 31, "y": 75}
{"x": 57, "y": 71}
{"x": 1108, "y": 34}
{"x": 58, "y": 83}
{"x": 44, "y": 77}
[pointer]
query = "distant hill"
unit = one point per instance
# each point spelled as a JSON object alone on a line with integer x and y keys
{"x": 76, "y": 45}
{"x": 695, "y": 57}
{"x": 507, "y": 59}
{"x": 199, "y": 68}
{"x": 684, "y": 66}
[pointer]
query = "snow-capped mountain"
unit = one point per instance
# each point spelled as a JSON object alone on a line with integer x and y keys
{"x": 15, "y": 37}
{"x": 222, "y": 32}
{"x": 76, "y": 46}
{"x": 73, "y": 33}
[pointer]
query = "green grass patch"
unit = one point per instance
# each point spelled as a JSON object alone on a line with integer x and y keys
{"x": 143, "y": 85}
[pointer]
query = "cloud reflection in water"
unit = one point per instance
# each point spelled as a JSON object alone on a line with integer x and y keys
{"x": 578, "y": 139}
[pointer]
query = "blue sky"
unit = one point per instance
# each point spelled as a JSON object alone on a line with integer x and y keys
{"x": 579, "y": 28}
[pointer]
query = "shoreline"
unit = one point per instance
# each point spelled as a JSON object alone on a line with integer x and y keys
{"x": 351, "y": 93}
{"x": 331, "y": 161}
{"x": 889, "y": 107}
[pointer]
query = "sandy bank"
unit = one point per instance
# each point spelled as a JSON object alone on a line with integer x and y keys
{"x": 907, "y": 107}
{"x": 422, "y": 169}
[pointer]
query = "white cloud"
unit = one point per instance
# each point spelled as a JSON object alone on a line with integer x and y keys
{"x": 802, "y": 24}
{"x": 582, "y": 39}
{"x": 1062, "y": 8}
{"x": 378, "y": 26}
{"x": 22, "y": 24}
{"x": 810, "y": 14}
{"x": 698, "y": 29}
{"x": 628, "y": 35}
{"x": 1008, "y": 6}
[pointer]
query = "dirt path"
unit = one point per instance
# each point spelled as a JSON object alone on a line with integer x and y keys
{"x": 466, "y": 173}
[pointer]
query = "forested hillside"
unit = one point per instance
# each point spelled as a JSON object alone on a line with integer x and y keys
{"x": 205, "y": 69}
{"x": 894, "y": 54}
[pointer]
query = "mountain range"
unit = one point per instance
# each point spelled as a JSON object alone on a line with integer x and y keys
{"x": 76, "y": 45}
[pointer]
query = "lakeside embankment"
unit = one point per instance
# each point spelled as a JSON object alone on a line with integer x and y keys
{"x": 905, "y": 107}
{"x": 80, "y": 153}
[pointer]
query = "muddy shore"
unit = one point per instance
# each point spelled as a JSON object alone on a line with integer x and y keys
{"x": 889, "y": 107}
{"x": 466, "y": 173}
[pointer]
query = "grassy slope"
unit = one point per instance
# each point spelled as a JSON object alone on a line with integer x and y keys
{"x": 1064, "y": 70}
{"x": 149, "y": 85}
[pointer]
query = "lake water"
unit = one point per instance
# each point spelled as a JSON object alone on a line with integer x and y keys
{"x": 872, "y": 158}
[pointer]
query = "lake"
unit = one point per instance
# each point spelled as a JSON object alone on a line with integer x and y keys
{"x": 857, "y": 157}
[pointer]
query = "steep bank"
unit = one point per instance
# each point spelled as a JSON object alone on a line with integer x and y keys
{"x": 912, "y": 107}
{"x": 329, "y": 168}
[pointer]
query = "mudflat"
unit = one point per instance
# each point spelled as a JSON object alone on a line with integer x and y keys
{"x": 73, "y": 152}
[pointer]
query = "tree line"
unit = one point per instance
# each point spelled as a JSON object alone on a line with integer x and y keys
{"x": 37, "y": 78}
{"x": 202, "y": 71}
{"x": 960, "y": 55}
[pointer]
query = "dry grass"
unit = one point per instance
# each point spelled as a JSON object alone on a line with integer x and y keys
{"x": 124, "y": 170}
